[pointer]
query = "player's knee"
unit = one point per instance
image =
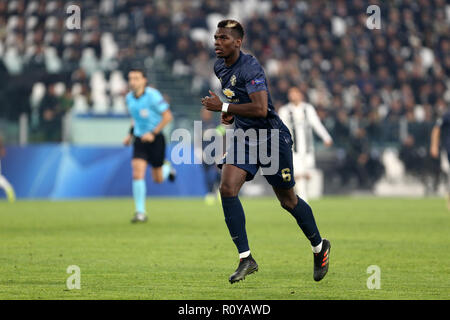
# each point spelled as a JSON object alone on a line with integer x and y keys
{"x": 158, "y": 179}
{"x": 226, "y": 190}
{"x": 138, "y": 172}
{"x": 288, "y": 204}
{"x": 137, "y": 175}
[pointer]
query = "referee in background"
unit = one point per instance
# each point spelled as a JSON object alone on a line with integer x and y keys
{"x": 150, "y": 113}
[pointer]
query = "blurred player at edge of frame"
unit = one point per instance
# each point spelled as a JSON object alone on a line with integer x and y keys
{"x": 4, "y": 184}
{"x": 150, "y": 114}
{"x": 440, "y": 136}
{"x": 301, "y": 118}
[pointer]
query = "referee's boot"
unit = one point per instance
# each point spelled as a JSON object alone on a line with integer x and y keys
{"x": 173, "y": 173}
{"x": 246, "y": 266}
{"x": 139, "y": 217}
{"x": 322, "y": 260}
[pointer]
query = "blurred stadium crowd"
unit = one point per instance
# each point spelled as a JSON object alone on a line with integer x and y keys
{"x": 370, "y": 87}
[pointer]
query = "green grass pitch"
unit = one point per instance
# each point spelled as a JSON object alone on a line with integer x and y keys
{"x": 185, "y": 252}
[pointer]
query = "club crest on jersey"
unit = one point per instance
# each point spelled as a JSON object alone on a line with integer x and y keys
{"x": 233, "y": 80}
{"x": 228, "y": 93}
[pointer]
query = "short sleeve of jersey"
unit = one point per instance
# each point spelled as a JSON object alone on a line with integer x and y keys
{"x": 444, "y": 120}
{"x": 255, "y": 79}
{"x": 158, "y": 102}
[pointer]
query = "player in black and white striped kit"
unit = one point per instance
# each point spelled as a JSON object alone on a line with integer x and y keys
{"x": 301, "y": 118}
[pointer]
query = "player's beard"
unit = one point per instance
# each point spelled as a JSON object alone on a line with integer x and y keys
{"x": 223, "y": 56}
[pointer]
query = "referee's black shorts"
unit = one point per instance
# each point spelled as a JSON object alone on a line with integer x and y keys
{"x": 153, "y": 152}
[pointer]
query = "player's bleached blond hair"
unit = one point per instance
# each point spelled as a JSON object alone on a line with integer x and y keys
{"x": 234, "y": 25}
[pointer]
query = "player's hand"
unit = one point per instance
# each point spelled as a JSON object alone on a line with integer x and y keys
{"x": 363, "y": 158}
{"x": 148, "y": 137}
{"x": 328, "y": 143}
{"x": 434, "y": 152}
{"x": 227, "y": 118}
{"x": 127, "y": 140}
{"x": 212, "y": 103}
{"x": 48, "y": 115}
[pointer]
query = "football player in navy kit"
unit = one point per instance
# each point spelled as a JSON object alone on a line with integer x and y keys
{"x": 250, "y": 107}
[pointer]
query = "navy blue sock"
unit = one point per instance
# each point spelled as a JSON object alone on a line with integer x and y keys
{"x": 305, "y": 219}
{"x": 235, "y": 219}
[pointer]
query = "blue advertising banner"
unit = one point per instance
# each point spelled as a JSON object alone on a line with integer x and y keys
{"x": 58, "y": 171}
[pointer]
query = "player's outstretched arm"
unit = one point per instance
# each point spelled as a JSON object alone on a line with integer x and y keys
{"x": 167, "y": 117}
{"x": 318, "y": 127}
{"x": 435, "y": 135}
{"x": 129, "y": 137}
{"x": 255, "y": 109}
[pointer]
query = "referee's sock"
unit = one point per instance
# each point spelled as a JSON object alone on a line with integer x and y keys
{"x": 305, "y": 219}
{"x": 139, "y": 193}
{"x": 166, "y": 170}
{"x": 235, "y": 220}
{"x": 9, "y": 190}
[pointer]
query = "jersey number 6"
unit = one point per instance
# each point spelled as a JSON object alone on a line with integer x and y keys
{"x": 286, "y": 174}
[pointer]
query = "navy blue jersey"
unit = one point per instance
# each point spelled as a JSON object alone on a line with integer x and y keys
{"x": 241, "y": 79}
{"x": 444, "y": 124}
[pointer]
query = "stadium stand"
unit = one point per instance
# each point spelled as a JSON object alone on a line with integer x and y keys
{"x": 392, "y": 82}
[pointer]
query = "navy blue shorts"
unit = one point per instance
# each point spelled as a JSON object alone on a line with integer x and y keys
{"x": 278, "y": 172}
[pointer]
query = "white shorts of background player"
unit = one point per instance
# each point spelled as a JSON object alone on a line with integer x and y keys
{"x": 308, "y": 179}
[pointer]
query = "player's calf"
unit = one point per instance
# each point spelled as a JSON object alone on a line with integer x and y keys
{"x": 166, "y": 171}
{"x": 288, "y": 204}
{"x": 227, "y": 191}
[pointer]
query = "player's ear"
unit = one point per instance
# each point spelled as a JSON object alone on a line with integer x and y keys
{"x": 238, "y": 42}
